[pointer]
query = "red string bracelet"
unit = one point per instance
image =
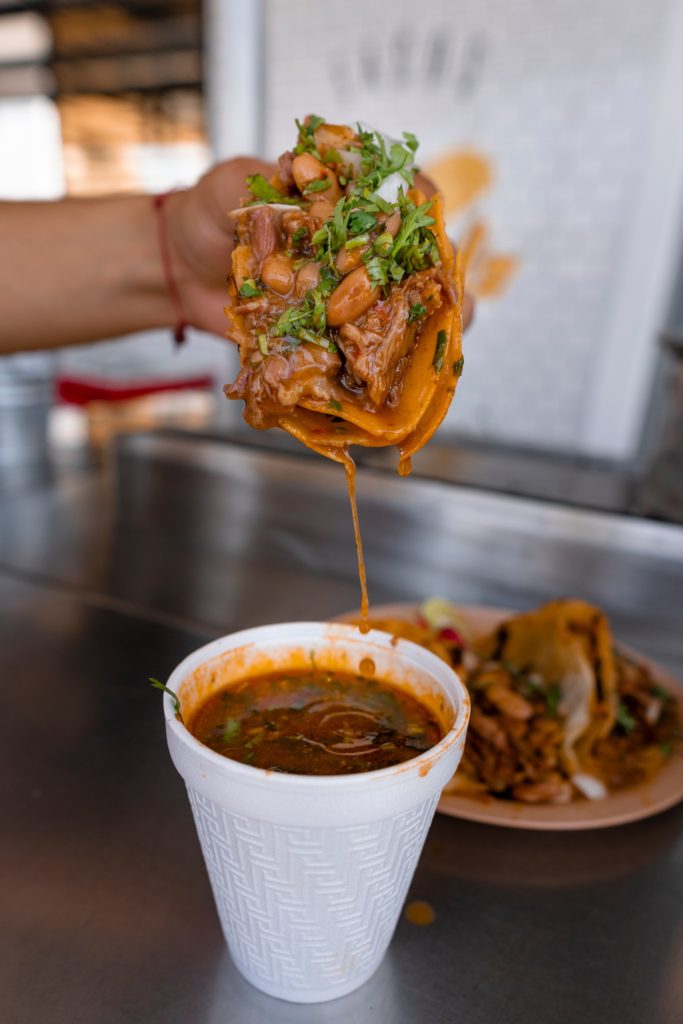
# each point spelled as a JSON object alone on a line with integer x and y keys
{"x": 171, "y": 286}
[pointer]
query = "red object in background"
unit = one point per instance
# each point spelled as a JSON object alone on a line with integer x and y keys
{"x": 80, "y": 390}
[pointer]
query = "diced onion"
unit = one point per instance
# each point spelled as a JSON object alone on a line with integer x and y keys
{"x": 259, "y": 206}
{"x": 653, "y": 711}
{"x": 592, "y": 788}
{"x": 390, "y": 187}
{"x": 352, "y": 158}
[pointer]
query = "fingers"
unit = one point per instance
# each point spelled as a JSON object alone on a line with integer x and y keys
{"x": 226, "y": 182}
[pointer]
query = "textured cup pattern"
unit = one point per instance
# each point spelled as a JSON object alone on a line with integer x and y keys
{"x": 306, "y": 908}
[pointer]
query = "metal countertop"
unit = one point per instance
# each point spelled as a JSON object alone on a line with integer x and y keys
{"x": 105, "y": 909}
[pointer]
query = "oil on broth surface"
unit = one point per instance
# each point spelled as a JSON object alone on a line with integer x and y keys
{"x": 315, "y": 723}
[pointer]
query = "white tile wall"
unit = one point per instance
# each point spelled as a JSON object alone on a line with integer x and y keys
{"x": 561, "y": 96}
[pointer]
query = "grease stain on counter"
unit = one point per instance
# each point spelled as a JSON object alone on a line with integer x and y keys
{"x": 419, "y": 912}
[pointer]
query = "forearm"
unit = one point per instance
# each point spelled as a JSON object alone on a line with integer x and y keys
{"x": 79, "y": 270}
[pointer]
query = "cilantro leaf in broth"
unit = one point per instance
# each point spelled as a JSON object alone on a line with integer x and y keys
{"x": 172, "y": 694}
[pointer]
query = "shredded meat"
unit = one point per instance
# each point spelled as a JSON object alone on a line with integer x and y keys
{"x": 274, "y": 384}
{"x": 263, "y": 228}
{"x": 375, "y": 343}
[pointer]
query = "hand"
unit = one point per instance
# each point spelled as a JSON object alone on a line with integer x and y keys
{"x": 200, "y": 236}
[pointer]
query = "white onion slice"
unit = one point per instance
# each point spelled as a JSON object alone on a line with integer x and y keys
{"x": 271, "y": 206}
{"x": 654, "y": 710}
{"x": 390, "y": 187}
{"x": 352, "y": 158}
{"x": 591, "y": 787}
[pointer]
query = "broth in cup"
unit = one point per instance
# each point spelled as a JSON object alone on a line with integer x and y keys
{"x": 315, "y": 722}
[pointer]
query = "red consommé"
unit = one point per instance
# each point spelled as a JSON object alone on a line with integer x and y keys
{"x": 315, "y": 723}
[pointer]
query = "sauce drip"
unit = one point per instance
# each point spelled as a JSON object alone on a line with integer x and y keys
{"x": 350, "y": 470}
{"x": 405, "y": 465}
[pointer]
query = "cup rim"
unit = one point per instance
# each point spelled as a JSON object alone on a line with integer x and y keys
{"x": 288, "y": 780}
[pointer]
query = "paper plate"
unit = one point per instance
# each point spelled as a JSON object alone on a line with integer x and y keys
{"x": 662, "y": 792}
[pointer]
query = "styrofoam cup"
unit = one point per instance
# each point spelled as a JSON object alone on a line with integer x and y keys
{"x": 309, "y": 873}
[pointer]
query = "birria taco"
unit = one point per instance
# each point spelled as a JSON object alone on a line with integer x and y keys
{"x": 345, "y": 296}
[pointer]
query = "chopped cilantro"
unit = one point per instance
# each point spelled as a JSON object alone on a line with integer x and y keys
{"x": 553, "y": 695}
{"x": 440, "y": 350}
{"x": 306, "y": 141}
{"x": 416, "y": 311}
{"x": 334, "y": 404}
{"x": 414, "y": 218}
{"x": 411, "y": 141}
{"x": 383, "y": 243}
{"x": 360, "y": 222}
{"x": 458, "y": 366}
{"x": 319, "y": 185}
{"x": 625, "y": 719}
{"x": 299, "y": 235}
{"x": 249, "y": 289}
{"x": 357, "y": 242}
{"x": 230, "y": 730}
{"x": 262, "y": 189}
{"x": 308, "y": 321}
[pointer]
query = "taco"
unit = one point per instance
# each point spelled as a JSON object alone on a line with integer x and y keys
{"x": 345, "y": 296}
{"x": 567, "y": 645}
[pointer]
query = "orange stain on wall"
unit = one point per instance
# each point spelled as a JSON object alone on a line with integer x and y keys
{"x": 463, "y": 176}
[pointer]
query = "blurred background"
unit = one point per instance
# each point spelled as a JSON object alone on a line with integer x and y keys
{"x": 553, "y": 131}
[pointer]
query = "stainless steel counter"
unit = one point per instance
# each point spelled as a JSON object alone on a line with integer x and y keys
{"x": 105, "y": 911}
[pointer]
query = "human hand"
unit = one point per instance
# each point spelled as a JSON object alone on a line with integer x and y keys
{"x": 200, "y": 236}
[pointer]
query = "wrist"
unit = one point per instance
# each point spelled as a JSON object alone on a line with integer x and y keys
{"x": 174, "y": 270}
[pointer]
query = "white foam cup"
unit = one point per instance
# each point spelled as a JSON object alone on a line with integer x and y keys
{"x": 309, "y": 873}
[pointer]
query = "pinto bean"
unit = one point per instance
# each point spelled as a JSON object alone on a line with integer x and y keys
{"x": 351, "y": 298}
{"x": 348, "y": 259}
{"x": 241, "y": 264}
{"x": 333, "y": 136}
{"x": 277, "y": 272}
{"x": 319, "y": 211}
{"x": 306, "y": 169}
{"x": 308, "y": 277}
